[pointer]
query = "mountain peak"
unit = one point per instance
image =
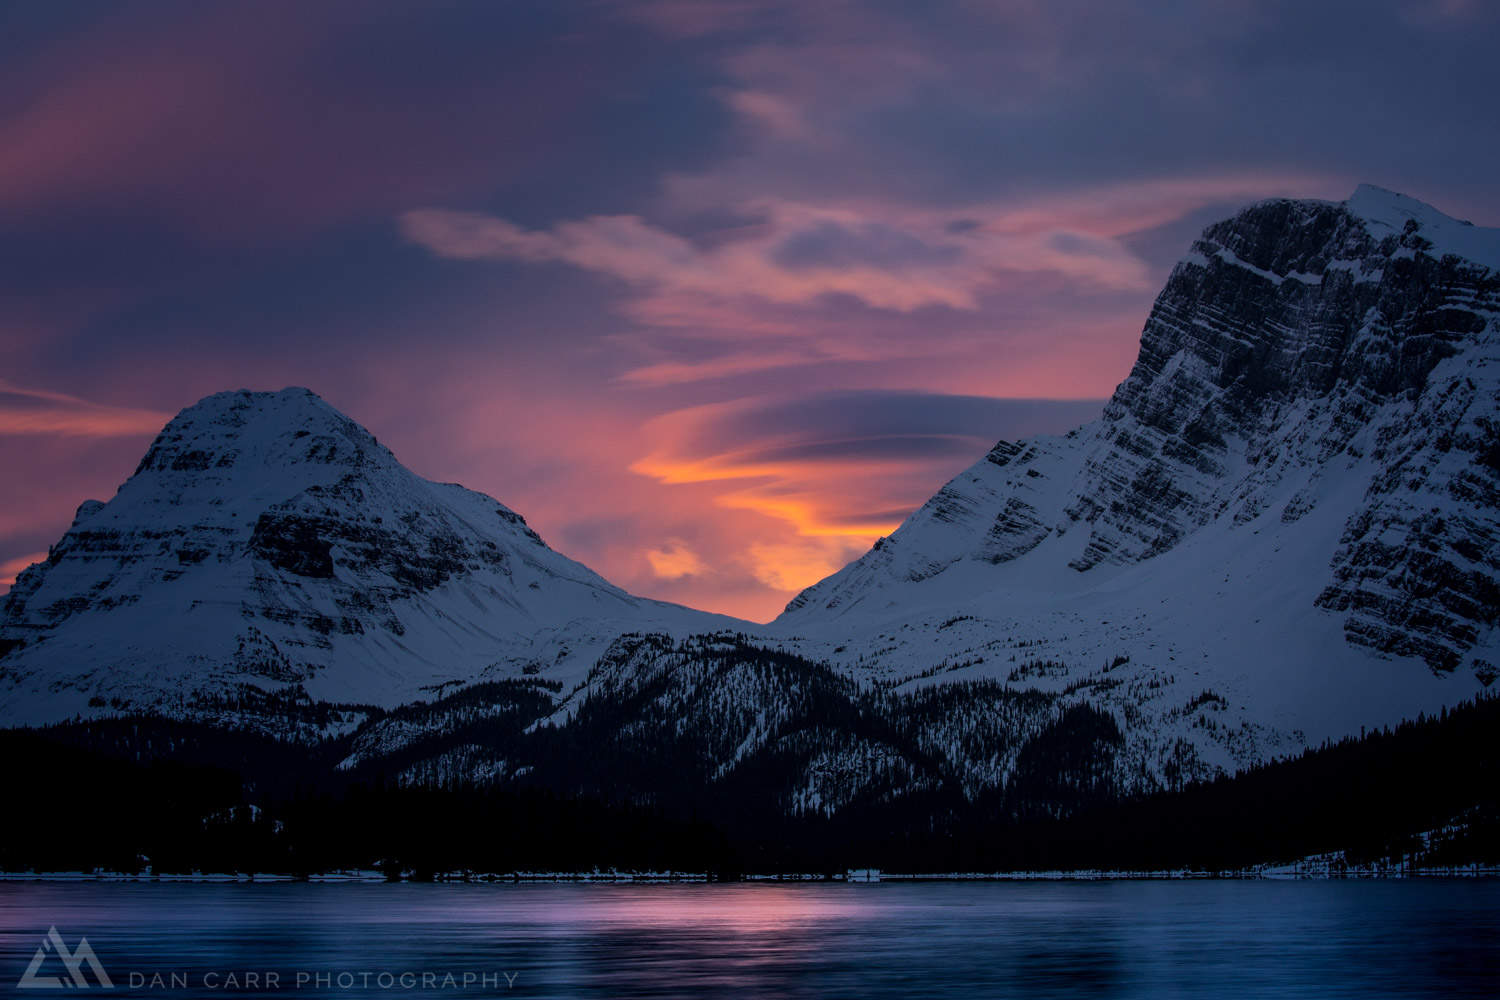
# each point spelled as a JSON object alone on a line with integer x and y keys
{"x": 1375, "y": 203}
{"x": 1389, "y": 213}
{"x": 242, "y": 407}
{"x": 229, "y": 429}
{"x": 1323, "y": 372}
{"x": 267, "y": 542}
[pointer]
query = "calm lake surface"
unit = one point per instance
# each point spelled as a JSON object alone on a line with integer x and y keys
{"x": 1016, "y": 939}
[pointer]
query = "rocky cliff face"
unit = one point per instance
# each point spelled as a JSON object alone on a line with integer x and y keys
{"x": 267, "y": 543}
{"x": 1283, "y": 527}
{"x": 1301, "y": 354}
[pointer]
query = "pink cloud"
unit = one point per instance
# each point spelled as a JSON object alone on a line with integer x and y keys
{"x": 675, "y": 560}
{"x": 35, "y": 411}
{"x": 761, "y": 471}
{"x": 900, "y": 260}
{"x": 885, "y": 253}
{"x": 1120, "y": 208}
{"x": 824, "y": 476}
{"x": 705, "y": 316}
{"x": 60, "y": 471}
{"x": 734, "y": 526}
{"x": 781, "y": 117}
{"x": 664, "y": 373}
{"x": 11, "y": 568}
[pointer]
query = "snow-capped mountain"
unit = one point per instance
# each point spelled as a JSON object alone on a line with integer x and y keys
{"x": 1284, "y": 526}
{"x": 1293, "y": 500}
{"x": 267, "y": 542}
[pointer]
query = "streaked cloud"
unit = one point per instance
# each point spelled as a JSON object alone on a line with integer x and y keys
{"x": 805, "y": 461}
{"x": 902, "y": 262}
{"x": 838, "y": 469}
{"x": 11, "y": 568}
{"x": 781, "y": 117}
{"x": 726, "y": 282}
{"x": 35, "y": 411}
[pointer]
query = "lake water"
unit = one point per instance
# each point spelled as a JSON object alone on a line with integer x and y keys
{"x": 1016, "y": 939}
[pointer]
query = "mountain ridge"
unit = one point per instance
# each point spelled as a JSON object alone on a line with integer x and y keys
{"x": 277, "y": 522}
{"x": 1281, "y": 529}
{"x": 1253, "y": 380}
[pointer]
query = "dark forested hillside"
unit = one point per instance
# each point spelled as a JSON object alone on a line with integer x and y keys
{"x": 177, "y": 797}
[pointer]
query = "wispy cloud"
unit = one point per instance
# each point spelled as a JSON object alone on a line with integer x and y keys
{"x": 837, "y": 469}
{"x": 801, "y": 461}
{"x": 900, "y": 260}
{"x": 11, "y": 568}
{"x": 752, "y": 298}
{"x": 36, "y": 411}
{"x": 747, "y": 200}
{"x": 780, "y": 116}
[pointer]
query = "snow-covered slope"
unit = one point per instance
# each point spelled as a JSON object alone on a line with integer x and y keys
{"x": 1293, "y": 501}
{"x": 267, "y": 542}
{"x": 1285, "y": 526}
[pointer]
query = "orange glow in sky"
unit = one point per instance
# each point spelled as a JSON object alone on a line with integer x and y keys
{"x": 715, "y": 294}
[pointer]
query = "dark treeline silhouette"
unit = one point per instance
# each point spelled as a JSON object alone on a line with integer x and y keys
{"x": 125, "y": 794}
{"x": 81, "y": 807}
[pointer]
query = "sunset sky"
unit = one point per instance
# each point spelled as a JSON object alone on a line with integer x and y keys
{"x": 714, "y": 293}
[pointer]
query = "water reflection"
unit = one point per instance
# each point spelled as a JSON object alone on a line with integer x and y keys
{"x": 1119, "y": 939}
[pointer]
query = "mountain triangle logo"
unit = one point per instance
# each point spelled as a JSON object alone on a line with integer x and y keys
{"x": 73, "y": 961}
